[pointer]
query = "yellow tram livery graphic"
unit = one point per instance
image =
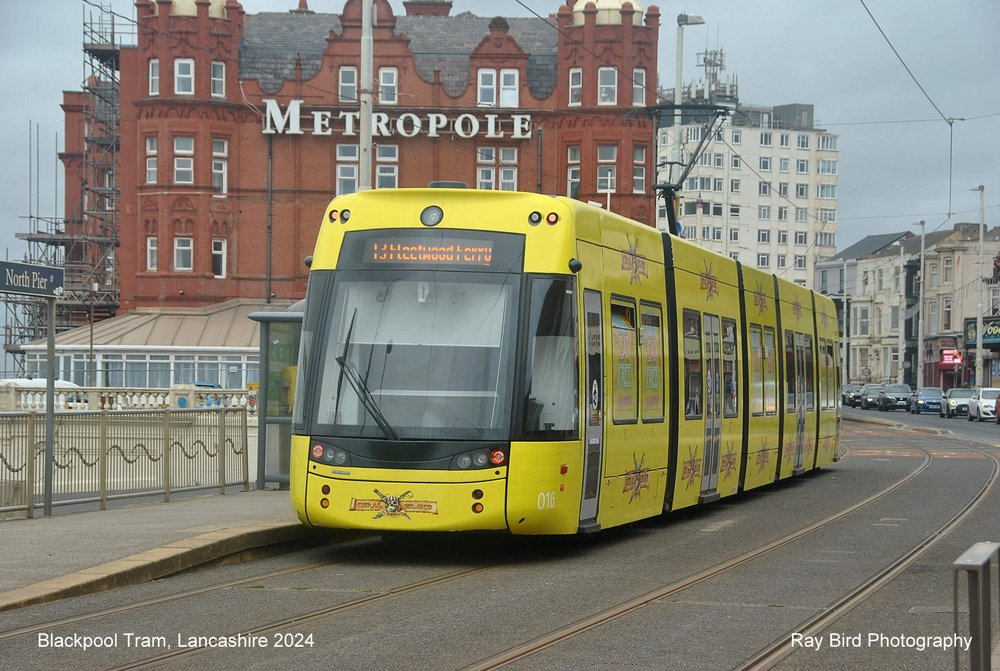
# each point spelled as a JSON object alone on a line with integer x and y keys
{"x": 484, "y": 360}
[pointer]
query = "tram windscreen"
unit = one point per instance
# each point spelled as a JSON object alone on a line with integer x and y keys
{"x": 418, "y": 355}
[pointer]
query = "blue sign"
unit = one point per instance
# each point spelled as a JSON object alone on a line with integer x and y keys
{"x": 30, "y": 280}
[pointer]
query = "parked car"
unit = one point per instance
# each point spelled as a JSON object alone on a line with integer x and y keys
{"x": 848, "y": 392}
{"x": 982, "y": 403}
{"x": 926, "y": 399}
{"x": 894, "y": 396}
{"x": 955, "y": 402}
{"x": 869, "y": 395}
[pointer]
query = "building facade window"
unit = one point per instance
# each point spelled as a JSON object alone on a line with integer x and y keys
{"x": 347, "y": 86}
{"x": 151, "y": 160}
{"x": 576, "y": 87}
{"x": 639, "y": 169}
{"x": 639, "y": 87}
{"x": 347, "y": 168}
{"x": 764, "y": 235}
{"x": 387, "y": 166}
{"x": 184, "y": 76}
{"x": 509, "y": 87}
{"x": 607, "y": 86}
{"x": 497, "y": 168}
{"x": 802, "y": 166}
{"x": 183, "y": 254}
{"x": 802, "y": 142}
{"x": 763, "y": 260}
{"x": 765, "y": 138}
{"x": 607, "y": 157}
{"x": 388, "y": 88}
{"x": 220, "y": 166}
{"x": 765, "y": 164}
{"x": 183, "y": 160}
{"x": 154, "y": 76}
{"x": 486, "y": 91}
{"x": 573, "y": 171}
{"x": 218, "y": 257}
{"x": 151, "y": 251}
{"x": 218, "y": 79}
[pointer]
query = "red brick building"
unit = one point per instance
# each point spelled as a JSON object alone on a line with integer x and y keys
{"x": 237, "y": 129}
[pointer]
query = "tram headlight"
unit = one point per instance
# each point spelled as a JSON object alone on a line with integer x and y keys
{"x": 535, "y": 218}
{"x": 463, "y": 461}
{"x": 480, "y": 459}
{"x": 431, "y": 216}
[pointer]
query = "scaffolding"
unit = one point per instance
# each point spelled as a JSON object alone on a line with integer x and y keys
{"x": 83, "y": 242}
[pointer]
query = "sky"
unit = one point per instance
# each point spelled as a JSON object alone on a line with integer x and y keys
{"x": 917, "y": 109}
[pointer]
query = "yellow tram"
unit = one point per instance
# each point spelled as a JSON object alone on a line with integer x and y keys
{"x": 487, "y": 360}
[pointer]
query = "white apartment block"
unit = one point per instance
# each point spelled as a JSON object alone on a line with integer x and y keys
{"x": 762, "y": 191}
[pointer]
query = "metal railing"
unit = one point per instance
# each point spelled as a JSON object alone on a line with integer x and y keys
{"x": 975, "y": 563}
{"x": 103, "y": 398}
{"x": 107, "y": 455}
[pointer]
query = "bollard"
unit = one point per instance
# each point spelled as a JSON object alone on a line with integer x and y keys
{"x": 976, "y": 563}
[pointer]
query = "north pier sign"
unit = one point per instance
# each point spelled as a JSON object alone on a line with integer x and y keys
{"x": 289, "y": 121}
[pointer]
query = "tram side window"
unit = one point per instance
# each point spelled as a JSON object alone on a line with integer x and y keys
{"x": 729, "y": 379}
{"x": 770, "y": 372}
{"x": 825, "y": 374}
{"x": 692, "y": 365}
{"x": 623, "y": 357}
{"x": 551, "y": 383}
{"x": 756, "y": 371}
{"x": 810, "y": 373}
{"x": 651, "y": 342}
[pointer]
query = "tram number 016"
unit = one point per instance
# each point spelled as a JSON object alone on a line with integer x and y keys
{"x": 546, "y": 500}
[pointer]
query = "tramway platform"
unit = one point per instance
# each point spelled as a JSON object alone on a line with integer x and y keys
{"x": 75, "y": 553}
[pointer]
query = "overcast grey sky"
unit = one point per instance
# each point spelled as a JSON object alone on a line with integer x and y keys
{"x": 900, "y": 160}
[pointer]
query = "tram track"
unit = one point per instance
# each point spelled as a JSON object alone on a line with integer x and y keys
{"x": 607, "y": 615}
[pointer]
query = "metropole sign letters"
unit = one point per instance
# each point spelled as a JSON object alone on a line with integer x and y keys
{"x": 31, "y": 280}
{"x": 408, "y": 124}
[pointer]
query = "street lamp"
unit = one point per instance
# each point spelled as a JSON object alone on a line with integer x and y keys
{"x": 682, "y": 20}
{"x": 919, "y": 377}
{"x": 979, "y": 294}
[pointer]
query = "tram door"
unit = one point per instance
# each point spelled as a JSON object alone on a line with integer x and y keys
{"x": 594, "y": 434}
{"x": 712, "y": 336}
{"x": 795, "y": 347}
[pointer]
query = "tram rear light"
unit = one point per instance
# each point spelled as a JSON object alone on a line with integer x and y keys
{"x": 564, "y": 469}
{"x": 497, "y": 457}
{"x": 477, "y": 507}
{"x": 334, "y": 214}
{"x": 552, "y": 218}
{"x": 324, "y": 503}
{"x": 318, "y": 451}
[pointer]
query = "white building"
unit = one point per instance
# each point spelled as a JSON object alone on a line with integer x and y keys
{"x": 763, "y": 190}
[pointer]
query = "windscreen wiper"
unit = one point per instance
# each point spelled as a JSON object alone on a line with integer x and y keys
{"x": 367, "y": 399}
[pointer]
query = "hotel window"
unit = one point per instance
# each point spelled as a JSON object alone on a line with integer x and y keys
{"x": 151, "y": 159}
{"x": 763, "y": 260}
{"x": 763, "y": 235}
{"x": 803, "y": 142}
{"x": 638, "y": 87}
{"x": 387, "y": 87}
{"x": 220, "y": 166}
{"x": 487, "y": 90}
{"x": 509, "y": 83}
{"x": 782, "y": 237}
{"x": 764, "y": 212}
{"x": 495, "y": 162}
{"x": 347, "y": 168}
{"x": 827, "y": 190}
{"x": 607, "y": 86}
{"x": 802, "y": 166}
{"x": 154, "y": 76}
{"x": 576, "y": 87}
{"x": 801, "y": 190}
{"x": 184, "y": 76}
{"x": 348, "y": 84}
{"x": 765, "y": 163}
{"x": 218, "y": 257}
{"x": 183, "y": 254}
{"x": 386, "y": 166}
{"x": 218, "y": 79}
{"x": 573, "y": 171}
{"x": 765, "y": 138}
{"x": 151, "y": 249}
{"x": 827, "y": 167}
{"x": 183, "y": 160}
{"x": 606, "y": 174}
{"x": 638, "y": 170}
